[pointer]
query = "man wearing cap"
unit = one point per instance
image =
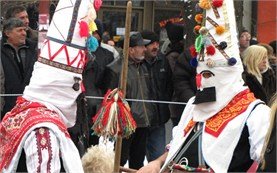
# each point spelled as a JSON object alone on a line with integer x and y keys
{"x": 133, "y": 148}
{"x": 161, "y": 88}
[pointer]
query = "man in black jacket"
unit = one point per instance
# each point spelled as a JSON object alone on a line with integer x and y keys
{"x": 18, "y": 56}
{"x": 160, "y": 77}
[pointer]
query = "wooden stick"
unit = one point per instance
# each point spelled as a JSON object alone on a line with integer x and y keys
{"x": 129, "y": 170}
{"x": 123, "y": 78}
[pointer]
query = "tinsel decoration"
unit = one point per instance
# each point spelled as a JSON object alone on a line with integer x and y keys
{"x": 84, "y": 29}
{"x": 217, "y": 3}
{"x": 198, "y": 18}
{"x": 92, "y": 44}
{"x": 232, "y": 61}
{"x": 220, "y": 30}
{"x": 114, "y": 118}
{"x": 192, "y": 50}
{"x": 210, "y": 50}
{"x": 205, "y": 4}
{"x": 97, "y": 4}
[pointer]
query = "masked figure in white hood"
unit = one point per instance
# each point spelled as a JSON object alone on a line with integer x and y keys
{"x": 223, "y": 127}
{"x": 38, "y": 123}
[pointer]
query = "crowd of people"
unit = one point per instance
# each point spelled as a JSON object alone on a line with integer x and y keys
{"x": 167, "y": 76}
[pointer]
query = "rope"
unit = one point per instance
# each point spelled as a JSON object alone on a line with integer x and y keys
{"x": 101, "y": 98}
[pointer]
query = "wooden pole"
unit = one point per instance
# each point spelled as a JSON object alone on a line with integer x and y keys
{"x": 123, "y": 78}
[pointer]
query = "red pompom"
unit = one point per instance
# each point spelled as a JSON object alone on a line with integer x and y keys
{"x": 97, "y": 4}
{"x": 210, "y": 50}
{"x": 217, "y": 3}
{"x": 84, "y": 29}
{"x": 193, "y": 52}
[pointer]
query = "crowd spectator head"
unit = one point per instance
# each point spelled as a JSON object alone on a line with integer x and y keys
{"x": 175, "y": 32}
{"x": 99, "y": 32}
{"x": 255, "y": 59}
{"x": 18, "y": 12}
{"x": 152, "y": 48}
{"x": 137, "y": 46}
{"x": 14, "y": 31}
{"x": 273, "y": 58}
{"x": 244, "y": 40}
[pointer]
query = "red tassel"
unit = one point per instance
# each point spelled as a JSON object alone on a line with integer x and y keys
{"x": 193, "y": 52}
{"x": 114, "y": 117}
{"x": 198, "y": 80}
{"x": 217, "y": 3}
{"x": 210, "y": 50}
{"x": 84, "y": 29}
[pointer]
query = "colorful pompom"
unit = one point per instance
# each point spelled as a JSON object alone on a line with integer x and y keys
{"x": 198, "y": 18}
{"x": 193, "y": 52}
{"x": 97, "y": 4}
{"x": 92, "y": 44}
{"x": 220, "y": 30}
{"x": 210, "y": 50}
{"x": 84, "y": 29}
{"x": 194, "y": 62}
{"x": 222, "y": 45}
{"x": 205, "y": 4}
{"x": 203, "y": 31}
{"x": 232, "y": 61}
{"x": 217, "y": 3}
{"x": 196, "y": 29}
{"x": 92, "y": 27}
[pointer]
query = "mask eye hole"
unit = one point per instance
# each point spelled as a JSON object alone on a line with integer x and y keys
{"x": 207, "y": 74}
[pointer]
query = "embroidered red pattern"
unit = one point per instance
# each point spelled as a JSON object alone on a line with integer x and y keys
{"x": 43, "y": 143}
{"x": 189, "y": 126}
{"x": 238, "y": 105}
{"x": 17, "y": 122}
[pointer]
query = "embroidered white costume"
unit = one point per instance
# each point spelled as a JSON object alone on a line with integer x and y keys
{"x": 234, "y": 106}
{"x": 39, "y": 121}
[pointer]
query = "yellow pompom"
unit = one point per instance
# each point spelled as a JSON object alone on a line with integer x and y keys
{"x": 220, "y": 30}
{"x": 205, "y": 4}
{"x": 92, "y": 27}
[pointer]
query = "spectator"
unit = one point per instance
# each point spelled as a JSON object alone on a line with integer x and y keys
{"x": 137, "y": 88}
{"x": 258, "y": 76}
{"x": 21, "y": 13}
{"x": 93, "y": 76}
{"x": 160, "y": 77}
{"x": 273, "y": 58}
{"x": 244, "y": 40}
{"x": 18, "y": 56}
{"x": 175, "y": 34}
{"x": 109, "y": 44}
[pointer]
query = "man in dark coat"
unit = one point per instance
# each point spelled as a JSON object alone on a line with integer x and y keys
{"x": 93, "y": 76}
{"x": 18, "y": 56}
{"x": 161, "y": 87}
